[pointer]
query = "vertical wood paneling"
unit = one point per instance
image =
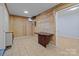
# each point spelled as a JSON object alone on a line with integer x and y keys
{"x": 20, "y": 26}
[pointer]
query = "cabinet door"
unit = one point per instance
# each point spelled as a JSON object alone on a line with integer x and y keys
{"x": 42, "y": 40}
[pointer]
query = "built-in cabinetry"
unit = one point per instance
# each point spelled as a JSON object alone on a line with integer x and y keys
{"x": 44, "y": 38}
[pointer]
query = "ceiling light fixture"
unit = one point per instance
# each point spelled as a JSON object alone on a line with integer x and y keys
{"x": 26, "y": 12}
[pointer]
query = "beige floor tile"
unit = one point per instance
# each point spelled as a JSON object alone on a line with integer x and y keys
{"x": 28, "y": 46}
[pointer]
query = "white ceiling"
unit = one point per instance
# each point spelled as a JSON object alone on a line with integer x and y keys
{"x": 33, "y": 8}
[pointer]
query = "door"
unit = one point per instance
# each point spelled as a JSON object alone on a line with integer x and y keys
{"x": 19, "y": 26}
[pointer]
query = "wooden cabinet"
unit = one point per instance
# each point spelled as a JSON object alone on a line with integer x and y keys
{"x": 44, "y": 38}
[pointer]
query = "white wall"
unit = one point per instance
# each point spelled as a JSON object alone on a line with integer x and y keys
{"x": 68, "y": 23}
{"x": 4, "y": 24}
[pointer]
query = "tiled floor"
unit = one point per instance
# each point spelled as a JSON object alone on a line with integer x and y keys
{"x": 28, "y": 46}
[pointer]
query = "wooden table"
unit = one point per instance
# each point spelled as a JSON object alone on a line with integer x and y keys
{"x": 44, "y": 38}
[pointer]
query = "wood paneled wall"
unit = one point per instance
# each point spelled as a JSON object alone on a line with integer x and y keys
{"x": 20, "y": 26}
{"x": 51, "y": 14}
